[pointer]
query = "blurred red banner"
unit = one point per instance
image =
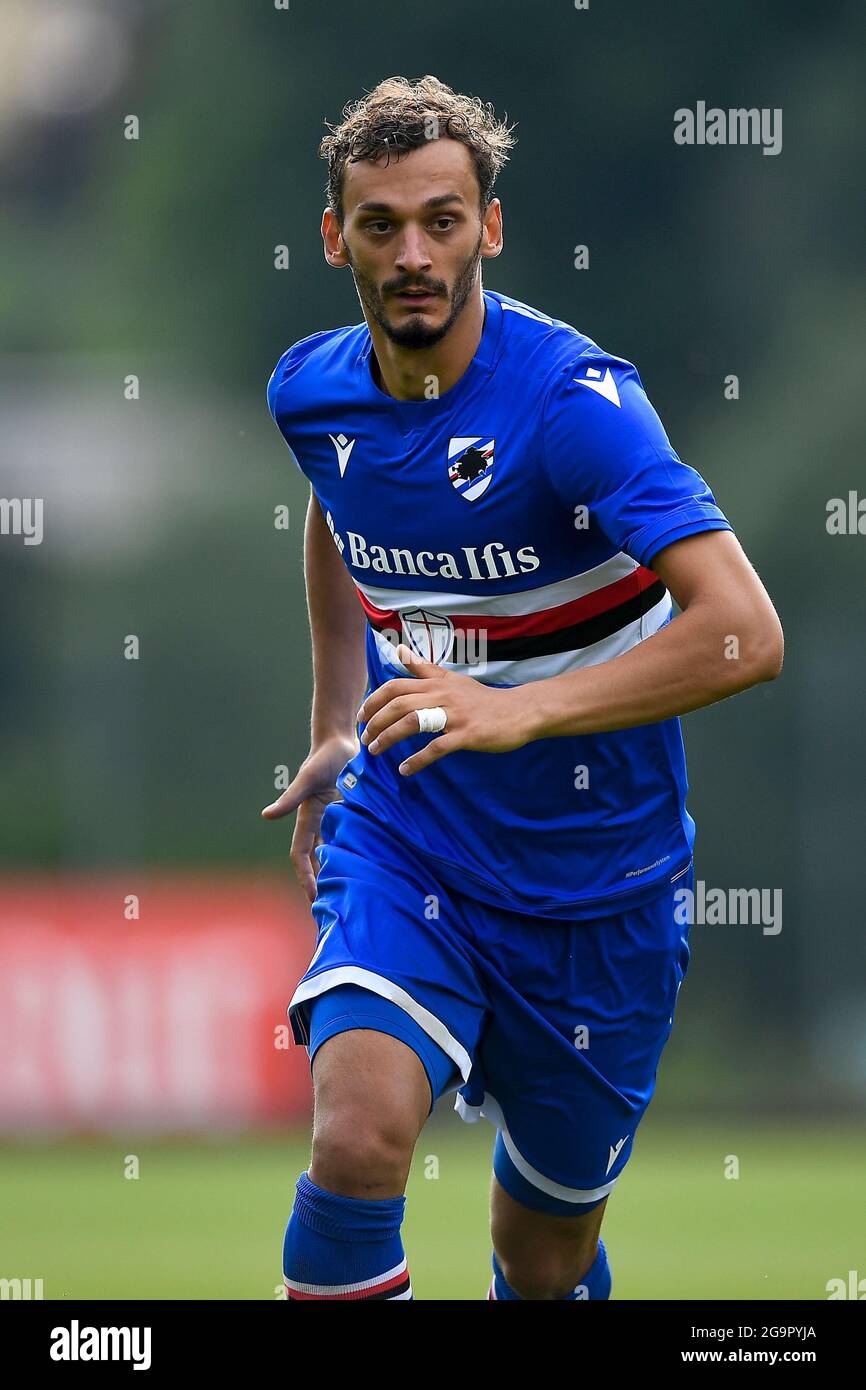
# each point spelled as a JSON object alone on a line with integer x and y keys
{"x": 174, "y": 1020}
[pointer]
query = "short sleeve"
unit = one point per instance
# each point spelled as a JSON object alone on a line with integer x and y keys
{"x": 279, "y": 389}
{"x": 274, "y": 383}
{"x": 605, "y": 448}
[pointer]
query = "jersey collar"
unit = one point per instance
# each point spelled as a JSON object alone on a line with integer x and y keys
{"x": 482, "y": 365}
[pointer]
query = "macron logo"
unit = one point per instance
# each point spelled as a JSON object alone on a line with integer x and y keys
{"x": 614, "y": 1154}
{"x": 344, "y": 448}
{"x": 603, "y": 384}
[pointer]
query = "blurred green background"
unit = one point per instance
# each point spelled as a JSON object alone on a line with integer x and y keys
{"x": 203, "y": 1220}
{"x": 155, "y": 257}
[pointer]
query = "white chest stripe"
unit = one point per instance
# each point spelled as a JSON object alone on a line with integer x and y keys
{"x": 538, "y": 668}
{"x": 505, "y": 605}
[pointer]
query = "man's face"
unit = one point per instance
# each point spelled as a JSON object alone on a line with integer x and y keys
{"x": 413, "y": 236}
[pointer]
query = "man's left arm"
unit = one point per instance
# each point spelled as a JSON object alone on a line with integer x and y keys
{"x": 727, "y": 638}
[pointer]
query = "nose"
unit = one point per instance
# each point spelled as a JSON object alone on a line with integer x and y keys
{"x": 413, "y": 256}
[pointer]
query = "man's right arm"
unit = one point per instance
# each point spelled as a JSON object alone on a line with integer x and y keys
{"x": 337, "y": 630}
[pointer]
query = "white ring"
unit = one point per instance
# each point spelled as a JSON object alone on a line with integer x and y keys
{"x": 432, "y": 721}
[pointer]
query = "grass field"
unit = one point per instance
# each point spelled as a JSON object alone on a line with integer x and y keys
{"x": 204, "y": 1220}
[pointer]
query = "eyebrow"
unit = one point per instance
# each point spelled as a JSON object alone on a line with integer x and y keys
{"x": 436, "y": 202}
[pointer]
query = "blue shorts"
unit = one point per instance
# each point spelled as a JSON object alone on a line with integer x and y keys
{"x": 552, "y": 1030}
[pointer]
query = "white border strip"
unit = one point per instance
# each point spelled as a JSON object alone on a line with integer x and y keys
{"x": 332, "y": 1290}
{"x": 517, "y": 604}
{"x": 379, "y": 984}
{"x": 524, "y": 670}
{"x": 489, "y": 1109}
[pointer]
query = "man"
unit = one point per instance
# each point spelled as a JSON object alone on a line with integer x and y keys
{"x": 497, "y": 523}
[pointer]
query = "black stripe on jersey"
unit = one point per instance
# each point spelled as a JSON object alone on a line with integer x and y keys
{"x": 571, "y": 638}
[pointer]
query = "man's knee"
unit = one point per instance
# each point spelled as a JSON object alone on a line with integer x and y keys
{"x": 552, "y": 1274}
{"x": 371, "y": 1100}
{"x": 543, "y": 1255}
{"x": 359, "y": 1153}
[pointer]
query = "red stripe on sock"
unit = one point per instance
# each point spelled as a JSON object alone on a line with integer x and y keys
{"x": 355, "y": 1293}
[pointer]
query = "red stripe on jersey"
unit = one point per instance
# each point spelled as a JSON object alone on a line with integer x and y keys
{"x": 590, "y": 605}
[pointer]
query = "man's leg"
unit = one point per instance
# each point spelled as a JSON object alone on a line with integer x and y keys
{"x": 372, "y": 1096}
{"x": 546, "y": 1255}
{"x": 569, "y": 1068}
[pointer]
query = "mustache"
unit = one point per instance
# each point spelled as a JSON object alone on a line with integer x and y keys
{"x": 437, "y": 287}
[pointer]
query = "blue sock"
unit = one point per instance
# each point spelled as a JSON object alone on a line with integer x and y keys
{"x": 595, "y": 1284}
{"x": 344, "y": 1248}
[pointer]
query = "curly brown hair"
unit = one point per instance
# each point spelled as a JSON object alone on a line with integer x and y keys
{"x": 399, "y": 115}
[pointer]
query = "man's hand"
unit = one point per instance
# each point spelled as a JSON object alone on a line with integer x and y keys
{"x": 312, "y": 791}
{"x": 480, "y": 718}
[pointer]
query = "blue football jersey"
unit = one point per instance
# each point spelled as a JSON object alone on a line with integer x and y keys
{"x": 505, "y": 530}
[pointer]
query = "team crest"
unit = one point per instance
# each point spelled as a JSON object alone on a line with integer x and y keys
{"x": 470, "y": 465}
{"x": 430, "y": 635}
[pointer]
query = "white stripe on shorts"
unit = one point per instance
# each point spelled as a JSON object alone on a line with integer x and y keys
{"x": 379, "y": 984}
{"x": 489, "y": 1109}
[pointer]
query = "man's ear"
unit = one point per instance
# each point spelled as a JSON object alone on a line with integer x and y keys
{"x": 492, "y": 244}
{"x": 332, "y": 238}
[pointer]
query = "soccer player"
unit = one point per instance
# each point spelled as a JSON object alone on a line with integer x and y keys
{"x": 497, "y": 525}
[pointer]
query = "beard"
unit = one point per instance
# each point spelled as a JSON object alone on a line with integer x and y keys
{"x": 417, "y": 333}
